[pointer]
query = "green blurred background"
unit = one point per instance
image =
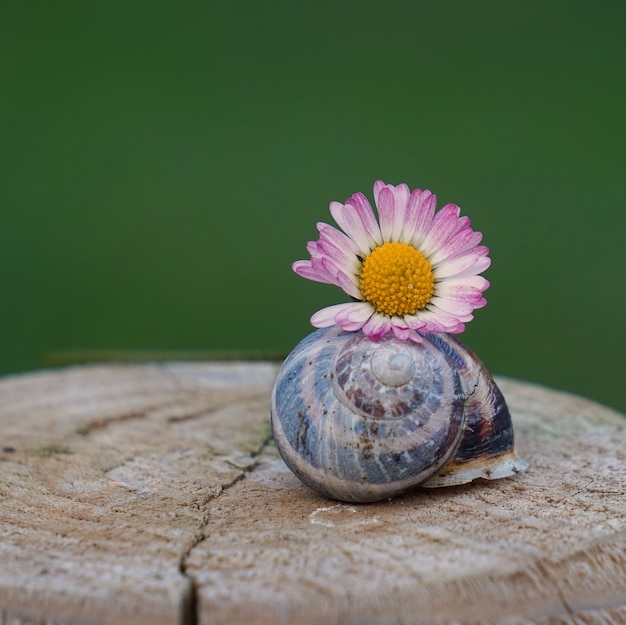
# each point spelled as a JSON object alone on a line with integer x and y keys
{"x": 163, "y": 163}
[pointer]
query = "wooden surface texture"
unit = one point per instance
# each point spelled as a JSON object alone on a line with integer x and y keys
{"x": 152, "y": 494}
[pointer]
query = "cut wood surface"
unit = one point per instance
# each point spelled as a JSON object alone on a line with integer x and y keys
{"x": 152, "y": 494}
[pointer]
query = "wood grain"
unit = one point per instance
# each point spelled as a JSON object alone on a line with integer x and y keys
{"x": 152, "y": 494}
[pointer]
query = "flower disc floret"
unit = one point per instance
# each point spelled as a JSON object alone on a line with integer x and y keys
{"x": 397, "y": 279}
{"x": 411, "y": 271}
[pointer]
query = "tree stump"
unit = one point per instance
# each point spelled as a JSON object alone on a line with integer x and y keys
{"x": 152, "y": 494}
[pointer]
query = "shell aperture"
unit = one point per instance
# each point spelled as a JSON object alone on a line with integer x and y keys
{"x": 359, "y": 420}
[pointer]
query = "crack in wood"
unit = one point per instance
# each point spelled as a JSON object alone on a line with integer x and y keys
{"x": 208, "y": 410}
{"x": 190, "y": 609}
{"x": 98, "y": 424}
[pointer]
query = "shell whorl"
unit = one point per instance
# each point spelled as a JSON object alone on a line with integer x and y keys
{"x": 363, "y": 421}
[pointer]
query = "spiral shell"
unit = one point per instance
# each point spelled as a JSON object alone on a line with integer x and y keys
{"x": 362, "y": 421}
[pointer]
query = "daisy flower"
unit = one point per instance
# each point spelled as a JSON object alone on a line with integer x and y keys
{"x": 411, "y": 271}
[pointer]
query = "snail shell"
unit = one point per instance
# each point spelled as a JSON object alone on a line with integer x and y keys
{"x": 362, "y": 421}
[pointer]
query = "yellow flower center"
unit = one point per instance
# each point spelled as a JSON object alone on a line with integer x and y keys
{"x": 397, "y": 279}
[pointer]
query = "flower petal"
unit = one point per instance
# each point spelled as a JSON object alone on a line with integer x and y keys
{"x": 349, "y": 262}
{"x": 449, "y": 320}
{"x": 424, "y": 322}
{"x": 324, "y": 268}
{"x": 356, "y": 219}
{"x": 364, "y": 210}
{"x": 377, "y": 326}
{"x": 354, "y": 315}
{"x": 337, "y": 238}
{"x": 463, "y": 293}
{"x": 410, "y": 217}
{"x": 462, "y": 241}
{"x": 386, "y": 206}
{"x": 401, "y": 333}
{"x": 443, "y": 226}
{"x": 475, "y": 282}
{"x": 453, "y": 307}
{"x": 378, "y": 185}
{"x": 326, "y": 316}
{"x": 349, "y": 285}
{"x": 425, "y": 213}
{"x": 304, "y": 269}
{"x": 401, "y": 199}
{"x": 469, "y": 264}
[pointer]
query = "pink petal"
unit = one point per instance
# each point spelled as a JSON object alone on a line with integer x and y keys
{"x": 349, "y": 285}
{"x": 401, "y": 199}
{"x": 336, "y": 210}
{"x": 410, "y": 218}
{"x": 311, "y": 247}
{"x": 475, "y": 282}
{"x": 349, "y": 262}
{"x": 326, "y": 316}
{"x": 398, "y": 322}
{"x": 459, "y": 328}
{"x": 461, "y": 292}
{"x": 364, "y": 210}
{"x": 443, "y": 226}
{"x": 351, "y": 225}
{"x": 415, "y": 322}
{"x": 377, "y": 326}
{"x": 462, "y": 241}
{"x": 449, "y": 320}
{"x": 473, "y": 263}
{"x": 431, "y": 320}
{"x": 416, "y": 337}
{"x": 304, "y": 269}
{"x": 453, "y": 307}
{"x": 401, "y": 333}
{"x": 337, "y": 238}
{"x": 481, "y": 265}
{"x": 325, "y": 269}
{"x": 357, "y": 220}
{"x": 354, "y": 315}
{"x": 425, "y": 213}
{"x": 386, "y": 206}
{"x": 378, "y": 185}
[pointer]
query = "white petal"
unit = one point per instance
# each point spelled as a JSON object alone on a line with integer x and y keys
{"x": 476, "y": 282}
{"x": 400, "y": 333}
{"x": 377, "y": 326}
{"x": 305, "y": 269}
{"x": 386, "y": 207}
{"x": 401, "y": 197}
{"x": 364, "y": 210}
{"x": 451, "y": 306}
{"x": 461, "y": 242}
{"x": 410, "y": 217}
{"x": 479, "y": 265}
{"x": 455, "y": 267}
{"x": 349, "y": 262}
{"x": 354, "y": 316}
{"x": 425, "y": 212}
{"x": 349, "y": 285}
{"x": 442, "y": 228}
{"x": 353, "y": 225}
{"x": 337, "y": 238}
{"x": 326, "y": 316}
